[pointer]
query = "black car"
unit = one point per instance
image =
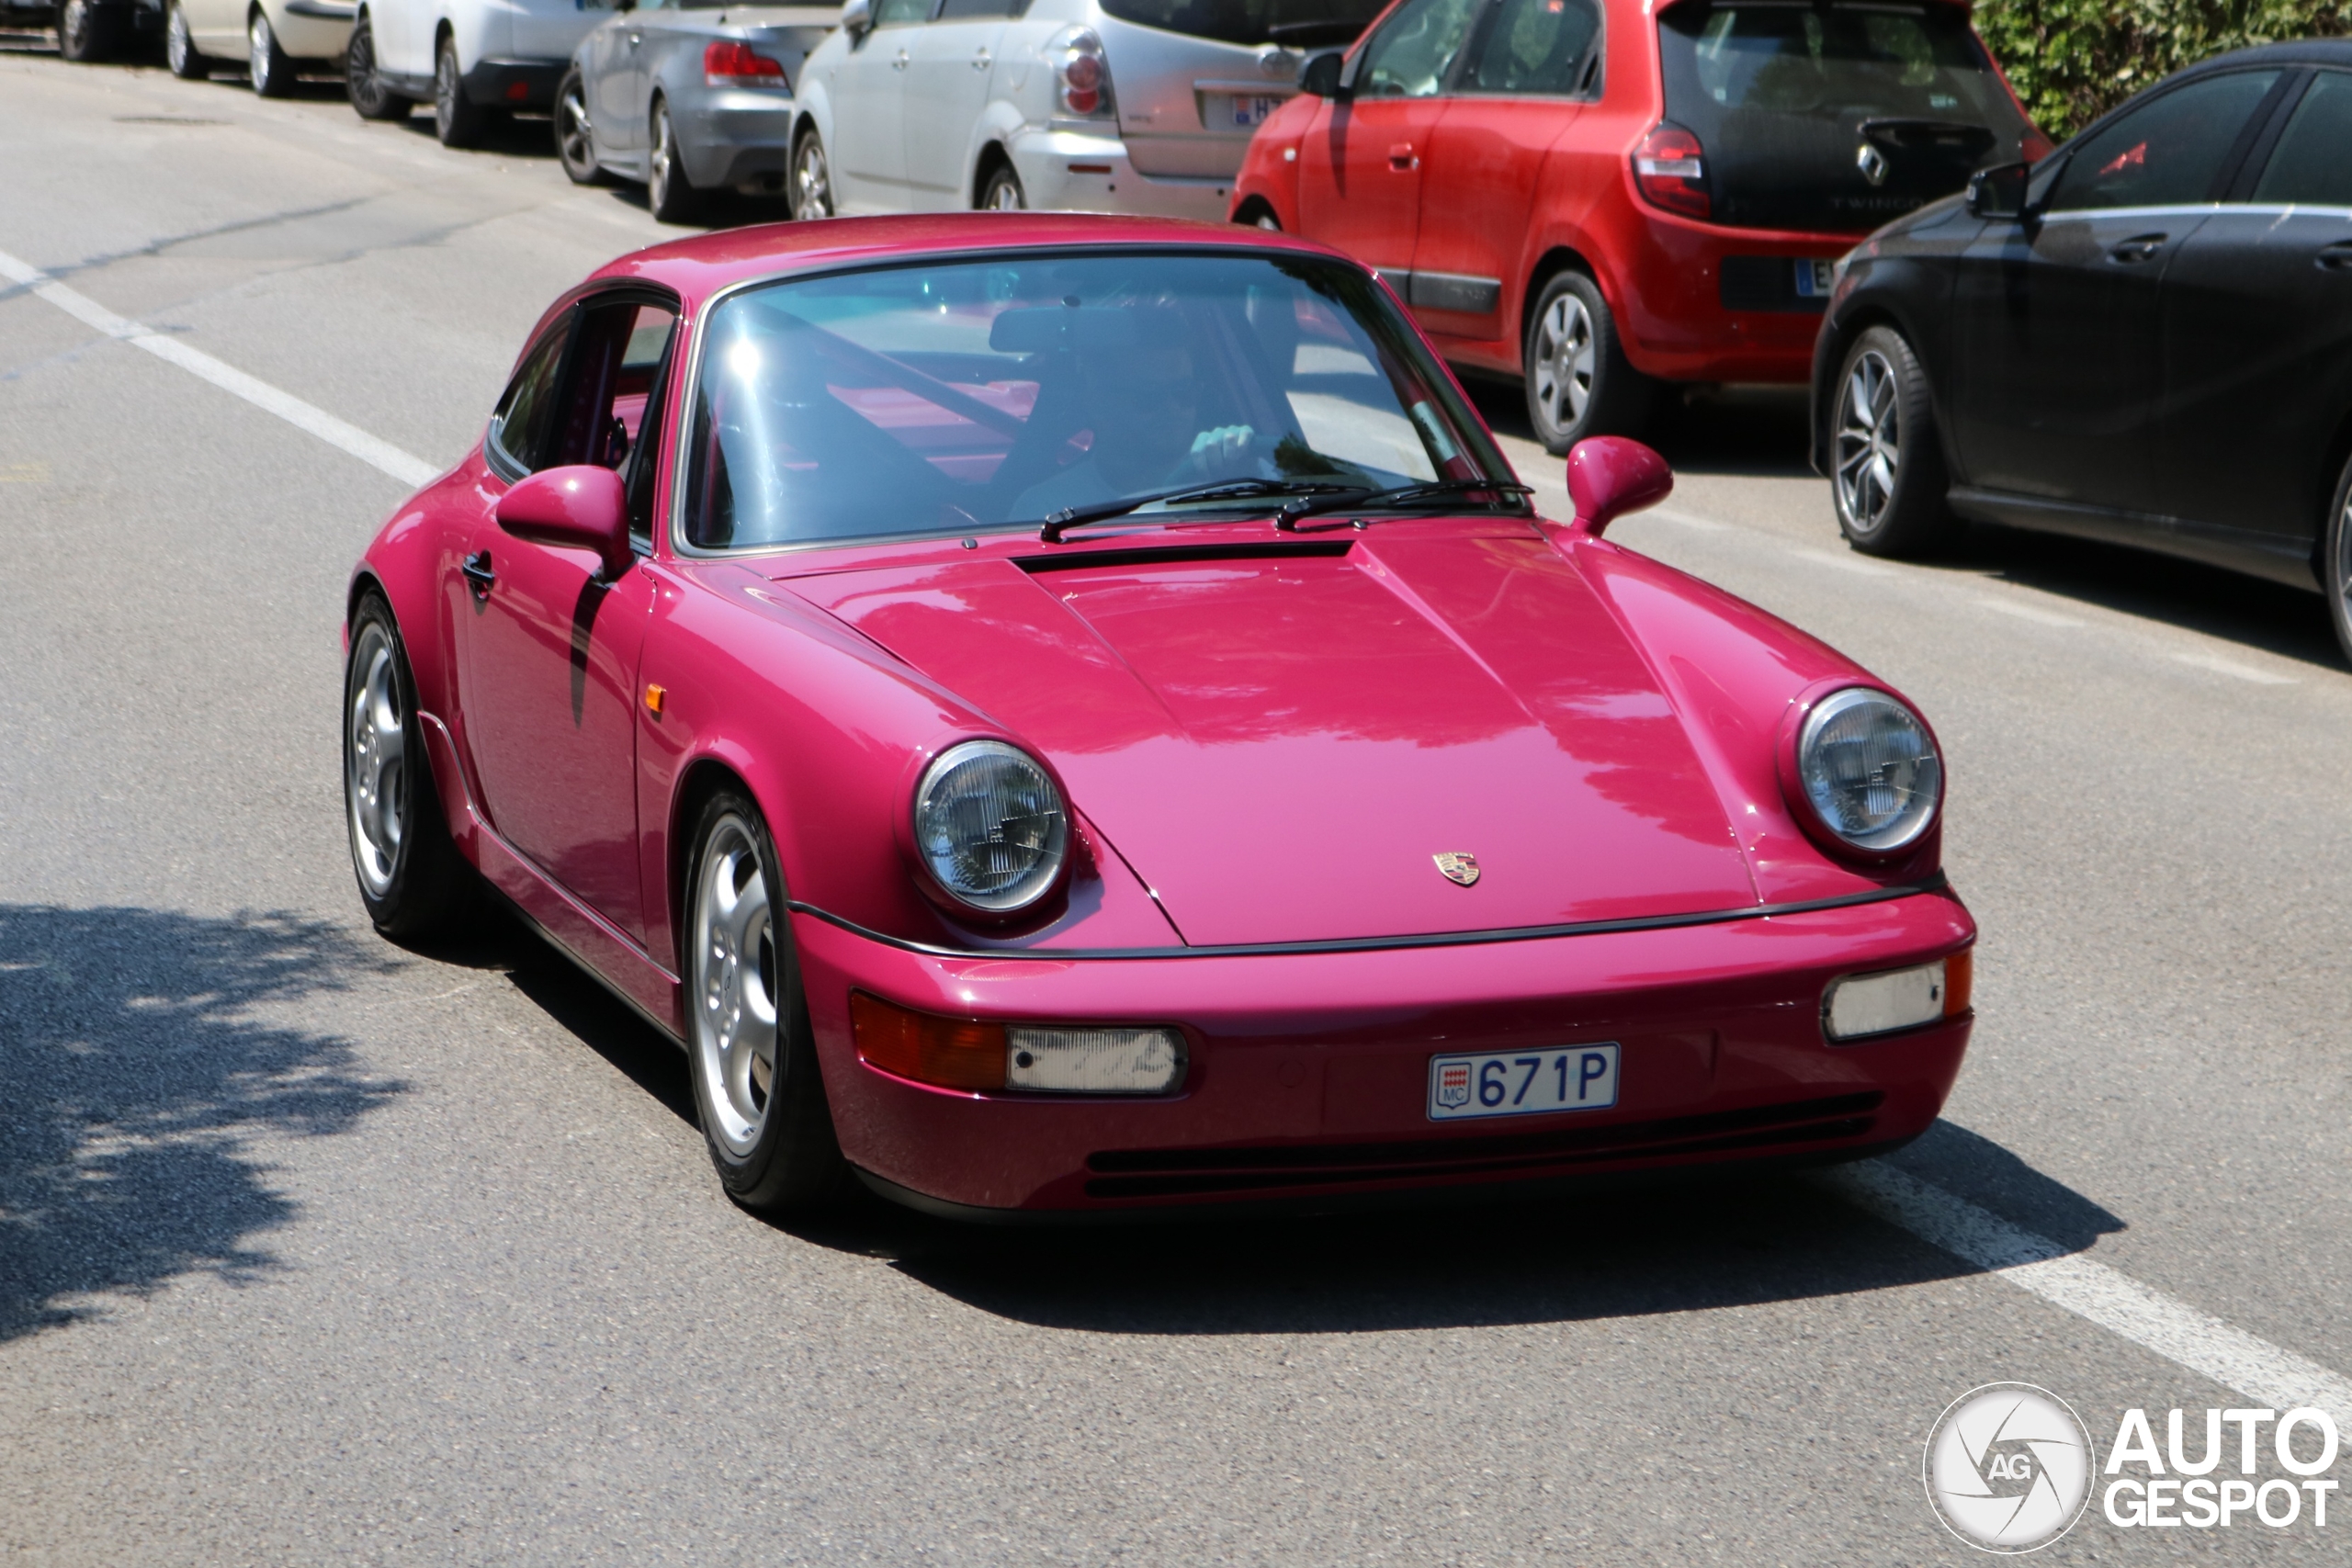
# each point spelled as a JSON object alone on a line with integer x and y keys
{"x": 2145, "y": 337}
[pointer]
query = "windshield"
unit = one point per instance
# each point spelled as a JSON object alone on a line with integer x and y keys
{"x": 1304, "y": 23}
{"x": 948, "y": 398}
{"x": 1784, "y": 94}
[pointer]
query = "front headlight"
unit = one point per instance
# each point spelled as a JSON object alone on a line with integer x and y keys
{"x": 990, "y": 826}
{"x": 1869, "y": 769}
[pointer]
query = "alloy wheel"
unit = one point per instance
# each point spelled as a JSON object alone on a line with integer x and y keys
{"x": 573, "y": 140}
{"x": 179, "y": 48}
{"x": 446, "y": 106}
{"x": 375, "y": 770}
{"x": 260, "y": 46}
{"x": 74, "y": 28}
{"x": 1565, "y": 357}
{"x": 665, "y": 157}
{"x": 734, "y": 984}
{"x": 2344, "y": 558}
{"x": 812, "y": 185}
{"x": 1004, "y": 195}
{"x": 1870, "y": 441}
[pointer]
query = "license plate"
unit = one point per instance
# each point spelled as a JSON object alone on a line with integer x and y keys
{"x": 1523, "y": 1083}
{"x": 1815, "y": 280}
{"x": 1250, "y": 111}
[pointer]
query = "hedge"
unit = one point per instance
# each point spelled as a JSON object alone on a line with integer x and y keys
{"x": 2073, "y": 60}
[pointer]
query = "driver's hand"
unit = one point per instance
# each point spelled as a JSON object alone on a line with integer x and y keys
{"x": 1222, "y": 451}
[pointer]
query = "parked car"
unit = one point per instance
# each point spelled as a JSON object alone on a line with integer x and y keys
{"x": 91, "y": 31}
{"x": 1108, "y": 106}
{"x": 1602, "y": 198}
{"x": 275, "y": 38}
{"x": 2145, "y": 337}
{"x": 688, "y": 98}
{"x": 472, "y": 59}
{"x": 866, "y": 646}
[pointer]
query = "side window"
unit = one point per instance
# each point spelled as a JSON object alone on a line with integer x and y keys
{"x": 2165, "y": 153}
{"x": 1414, "y": 55}
{"x": 2313, "y": 163}
{"x": 1537, "y": 47}
{"x": 963, "y": 10}
{"x": 608, "y": 413}
{"x": 901, "y": 13}
{"x": 519, "y": 428}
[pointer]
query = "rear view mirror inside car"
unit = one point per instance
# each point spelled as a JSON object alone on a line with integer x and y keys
{"x": 1999, "y": 191}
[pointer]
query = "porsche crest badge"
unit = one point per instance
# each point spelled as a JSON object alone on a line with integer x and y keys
{"x": 1458, "y": 868}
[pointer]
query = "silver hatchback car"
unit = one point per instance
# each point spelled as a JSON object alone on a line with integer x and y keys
{"x": 688, "y": 96}
{"x": 1098, "y": 106}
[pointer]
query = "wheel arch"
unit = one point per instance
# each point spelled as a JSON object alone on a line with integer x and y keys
{"x": 1836, "y": 340}
{"x": 1253, "y": 207}
{"x": 2332, "y": 458}
{"x": 703, "y": 778}
{"x": 1555, "y": 260}
{"x": 992, "y": 157}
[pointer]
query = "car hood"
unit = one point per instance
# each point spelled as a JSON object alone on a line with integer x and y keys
{"x": 1282, "y": 745}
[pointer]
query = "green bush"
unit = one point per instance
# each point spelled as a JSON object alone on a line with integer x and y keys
{"x": 2071, "y": 61}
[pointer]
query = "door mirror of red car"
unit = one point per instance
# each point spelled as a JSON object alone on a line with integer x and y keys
{"x": 1320, "y": 75}
{"x": 1999, "y": 191}
{"x": 577, "y": 508}
{"x": 1610, "y": 476}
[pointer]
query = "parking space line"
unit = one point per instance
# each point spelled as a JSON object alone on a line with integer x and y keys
{"x": 2221, "y": 666}
{"x": 374, "y": 452}
{"x": 1845, "y": 562}
{"x": 2026, "y": 611}
{"x": 2108, "y": 1297}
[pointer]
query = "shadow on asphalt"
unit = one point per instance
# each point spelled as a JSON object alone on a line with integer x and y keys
{"x": 137, "y": 1059}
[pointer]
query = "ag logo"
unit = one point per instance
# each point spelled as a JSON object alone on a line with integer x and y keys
{"x": 1457, "y": 866}
{"x": 2008, "y": 1467}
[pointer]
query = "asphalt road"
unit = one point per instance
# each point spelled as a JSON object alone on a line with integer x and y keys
{"x": 313, "y": 1249}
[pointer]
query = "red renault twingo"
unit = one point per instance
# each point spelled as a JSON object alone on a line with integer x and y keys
{"x": 1605, "y": 196}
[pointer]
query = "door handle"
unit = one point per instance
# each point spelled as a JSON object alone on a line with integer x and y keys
{"x": 900, "y": 62}
{"x": 2336, "y": 257}
{"x": 634, "y": 38}
{"x": 478, "y": 573}
{"x": 2138, "y": 248}
{"x": 1401, "y": 159}
{"x": 981, "y": 61}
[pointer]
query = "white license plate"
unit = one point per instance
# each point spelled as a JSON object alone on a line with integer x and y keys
{"x": 1523, "y": 1083}
{"x": 1250, "y": 111}
{"x": 1815, "y": 280}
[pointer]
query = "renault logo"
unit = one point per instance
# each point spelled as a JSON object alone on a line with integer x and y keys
{"x": 1872, "y": 161}
{"x": 1457, "y": 867}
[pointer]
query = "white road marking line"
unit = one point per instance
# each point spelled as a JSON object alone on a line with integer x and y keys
{"x": 1685, "y": 520}
{"x": 2027, "y": 612}
{"x": 1845, "y": 563}
{"x": 374, "y": 452}
{"x": 2114, "y": 1301}
{"x": 2221, "y": 666}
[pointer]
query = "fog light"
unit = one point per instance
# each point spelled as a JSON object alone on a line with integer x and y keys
{"x": 1094, "y": 1061}
{"x": 954, "y": 1053}
{"x": 1863, "y": 1005}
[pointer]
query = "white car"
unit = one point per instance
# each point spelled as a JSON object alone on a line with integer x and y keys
{"x": 274, "y": 37}
{"x": 473, "y": 59}
{"x": 1100, "y": 105}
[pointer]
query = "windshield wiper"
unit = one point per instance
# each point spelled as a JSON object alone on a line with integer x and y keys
{"x": 1397, "y": 499}
{"x": 1060, "y": 522}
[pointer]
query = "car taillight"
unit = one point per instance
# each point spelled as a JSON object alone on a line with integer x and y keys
{"x": 1670, "y": 171}
{"x": 730, "y": 62}
{"x": 1081, "y": 75}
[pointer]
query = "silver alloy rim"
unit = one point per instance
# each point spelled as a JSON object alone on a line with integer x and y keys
{"x": 74, "y": 26}
{"x": 179, "y": 48}
{"x": 579, "y": 150}
{"x": 2344, "y": 559}
{"x": 734, "y": 984}
{"x": 445, "y": 87}
{"x": 375, "y": 747}
{"x": 1870, "y": 441}
{"x": 812, "y": 189}
{"x": 661, "y": 156}
{"x": 1004, "y": 196}
{"x": 1564, "y": 362}
{"x": 257, "y": 42}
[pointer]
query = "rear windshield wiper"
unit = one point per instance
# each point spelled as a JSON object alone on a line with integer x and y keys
{"x": 1060, "y": 522}
{"x": 1397, "y": 499}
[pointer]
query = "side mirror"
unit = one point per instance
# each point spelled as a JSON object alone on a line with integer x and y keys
{"x": 1999, "y": 191}
{"x": 1319, "y": 78}
{"x": 1610, "y": 476}
{"x": 581, "y": 507}
{"x": 857, "y": 18}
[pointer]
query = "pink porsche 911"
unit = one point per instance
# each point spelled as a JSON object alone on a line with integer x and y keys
{"x": 1061, "y": 715}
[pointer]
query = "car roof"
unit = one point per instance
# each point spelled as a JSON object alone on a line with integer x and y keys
{"x": 699, "y": 268}
{"x": 2303, "y": 52}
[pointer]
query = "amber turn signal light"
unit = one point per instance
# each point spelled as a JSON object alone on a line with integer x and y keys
{"x": 952, "y": 1053}
{"x": 1044, "y": 1058}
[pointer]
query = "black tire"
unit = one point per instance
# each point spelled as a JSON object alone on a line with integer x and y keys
{"x": 1003, "y": 193}
{"x": 810, "y": 188}
{"x": 1579, "y": 382}
{"x": 270, "y": 72}
{"x": 370, "y": 96}
{"x": 668, "y": 189}
{"x": 411, "y": 877}
{"x": 774, "y": 1146}
{"x": 575, "y": 138}
{"x": 2336, "y": 558}
{"x": 458, "y": 121}
{"x": 180, "y": 53}
{"x": 1887, "y": 475}
{"x": 86, "y": 33}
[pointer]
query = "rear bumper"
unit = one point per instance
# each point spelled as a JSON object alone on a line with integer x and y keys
{"x": 735, "y": 136}
{"x": 1066, "y": 171}
{"x": 512, "y": 83}
{"x": 1308, "y": 1072}
{"x": 1704, "y": 303}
